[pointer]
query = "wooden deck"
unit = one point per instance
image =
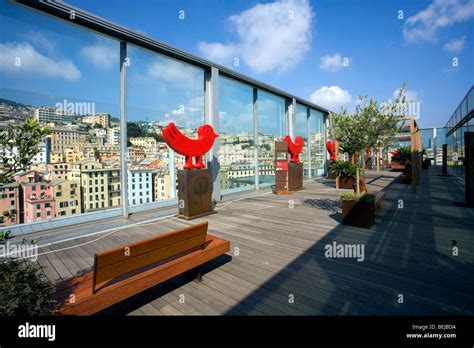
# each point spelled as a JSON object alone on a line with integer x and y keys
{"x": 277, "y": 264}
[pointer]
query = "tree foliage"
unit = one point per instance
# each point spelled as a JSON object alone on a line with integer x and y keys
{"x": 25, "y": 290}
{"x": 18, "y": 147}
{"x": 371, "y": 125}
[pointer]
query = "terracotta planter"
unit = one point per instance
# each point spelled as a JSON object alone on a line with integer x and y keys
{"x": 346, "y": 183}
{"x": 358, "y": 213}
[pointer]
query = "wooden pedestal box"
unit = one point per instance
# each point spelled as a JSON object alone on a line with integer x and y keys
{"x": 194, "y": 193}
{"x": 295, "y": 176}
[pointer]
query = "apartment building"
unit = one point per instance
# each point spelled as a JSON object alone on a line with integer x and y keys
{"x": 140, "y": 186}
{"x": 38, "y": 202}
{"x": 113, "y": 136}
{"x": 67, "y": 197}
{"x": 103, "y": 119}
{"x": 52, "y": 115}
{"x": 100, "y": 184}
{"x": 146, "y": 142}
{"x": 9, "y": 201}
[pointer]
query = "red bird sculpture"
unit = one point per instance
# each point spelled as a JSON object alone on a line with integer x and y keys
{"x": 190, "y": 147}
{"x": 331, "y": 148}
{"x": 294, "y": 149}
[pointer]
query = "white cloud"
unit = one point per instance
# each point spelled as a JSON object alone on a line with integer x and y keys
{"x": 332, "y": 98}
{"x": 455, "y": 46}
{"x": 101, "y": 55}
{"x": 174, "y": 72}
{"x": 425, "y": 25}
{"x": 271, "y": 37}
{"x": 38, "y": 39}
{"x": 332, "y": 63}
{"x": 218, "y": 52}
{"x": 34, "y": 63}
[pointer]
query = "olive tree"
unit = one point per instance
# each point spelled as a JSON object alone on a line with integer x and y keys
{"x": 18, "y": 147}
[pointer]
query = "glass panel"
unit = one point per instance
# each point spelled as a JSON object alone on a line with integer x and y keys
{"x": 67, "y": 79}
{"x": 236, "y": 138}
{"x": 159, "y": 91}
{"x": 302, "y": 131}
{"x": 271, "y": 127}
{"x": 470, "y": 99}
{"x": 318, "y": 148}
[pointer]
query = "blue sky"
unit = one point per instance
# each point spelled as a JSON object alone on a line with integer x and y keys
{"x": 296, "y": 45}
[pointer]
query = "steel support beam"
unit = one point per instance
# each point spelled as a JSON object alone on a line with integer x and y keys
{"x": 123, "y": 128}
{"x": 211, "y": 115}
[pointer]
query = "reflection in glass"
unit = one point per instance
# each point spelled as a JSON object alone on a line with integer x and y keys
{"x": 67, "y": 79}
{"x": 317, "y": 142}
{"x": 236, "y": 139}
{"x": 271, "y": 127}
{"x": 301, "y": 116}
{"x": 159, "y": 91}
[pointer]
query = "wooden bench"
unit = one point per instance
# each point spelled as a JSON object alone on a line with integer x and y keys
{"x": 379, "y": 197}
{"x": 132, "y": 268}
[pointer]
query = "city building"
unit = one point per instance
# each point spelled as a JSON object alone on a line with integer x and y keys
{"x": 135, "y": 154}
{"x": 113, "y": 136}
{"x": 102, "y": 119}
{"x": 53, "y": 115}
{"x": 140, "y": 186}
{"x": 38, "y": 202}
{"x": 9, "y": 202}
{"x": 146, "y": 142}
{"x": 100, "y": 184}
{"x": 67, "y": 197}
{"x": 162, "y": 187}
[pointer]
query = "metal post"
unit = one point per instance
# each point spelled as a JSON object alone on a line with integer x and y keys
{"x": 211, "y": 111}
{"x": 308, "y": 143}
{"x": 123, "y": 128}
{"x": 172, "y": 171}
{"x": 255, "y": 136}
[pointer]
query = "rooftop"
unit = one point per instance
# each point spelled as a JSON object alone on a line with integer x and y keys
{"x": 278, "y": 251}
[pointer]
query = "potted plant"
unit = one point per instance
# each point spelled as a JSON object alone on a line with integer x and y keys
{"x": 400, "y": 158}
{"x": 358, "y": 209}
{"x": 345, "y": 174}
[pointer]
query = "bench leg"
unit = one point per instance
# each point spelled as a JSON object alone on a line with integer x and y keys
{"x": 195, "y": 274}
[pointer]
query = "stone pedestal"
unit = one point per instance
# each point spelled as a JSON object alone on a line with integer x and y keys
{"x": 194, "y": 193}
{"x": 295, "y": 176}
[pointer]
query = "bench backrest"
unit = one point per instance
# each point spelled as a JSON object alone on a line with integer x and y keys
{"x": 130, "y": 257}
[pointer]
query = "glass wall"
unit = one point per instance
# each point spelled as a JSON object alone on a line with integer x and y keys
{"x": 236, "y": 138}
{"x": 317, "y": 143}
{"x": 271, "y": 127}
{"x": 301, "y": 117}
{"x": 66, "y": 78}
{"x": 457, "y": 125}
{"x": 159, "y": 91}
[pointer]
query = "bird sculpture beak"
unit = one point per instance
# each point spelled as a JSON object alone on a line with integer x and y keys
{"x": 216, "y": 136}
